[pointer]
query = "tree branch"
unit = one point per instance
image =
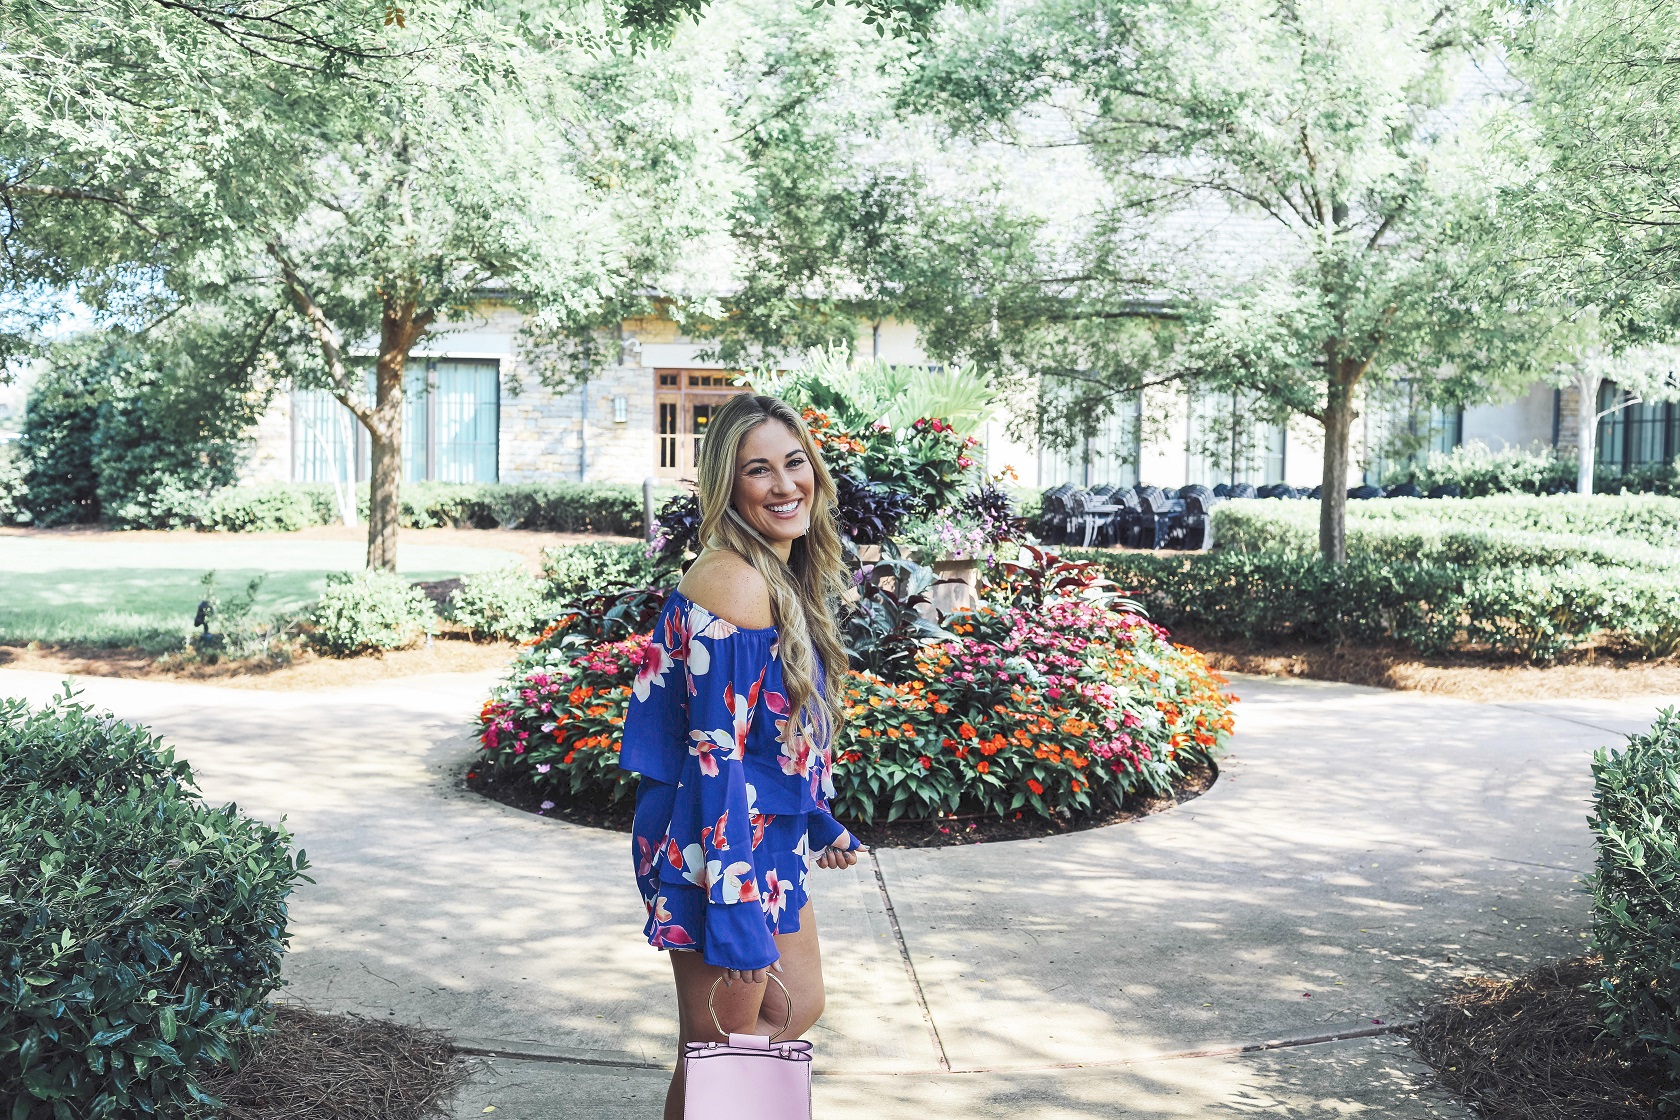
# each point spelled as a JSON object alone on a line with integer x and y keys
{"x": 327, "y": 337}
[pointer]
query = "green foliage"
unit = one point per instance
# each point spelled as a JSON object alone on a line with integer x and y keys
{"x": 1437, "y": 531}
{"x": 232, "y": 629}
{"x": 573, "y": 570}
{"x": 555, "y": 507}
{"x": 13, "y": 496}
{"x": 1636, "y": 894}
{"x": 140, "y": 929}
{"x": 276, "y": 507}
{"x": 1532, "y": 613}
{"x": 1651, "y": 519}
{"x": 369, "y": 610}
{"x": 505, "y": 603}
{"x": 862, "y": 394}
{"x": 1478, "y": 471}
{"x": 110, "y": 434}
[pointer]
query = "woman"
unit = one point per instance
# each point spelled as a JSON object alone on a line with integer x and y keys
{"x": 730, "y": 726}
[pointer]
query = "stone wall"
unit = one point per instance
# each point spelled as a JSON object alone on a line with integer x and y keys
{"x": 543, "y": 434}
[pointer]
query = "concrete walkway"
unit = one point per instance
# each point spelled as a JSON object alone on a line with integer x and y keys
{"x": 1242, "y": 954}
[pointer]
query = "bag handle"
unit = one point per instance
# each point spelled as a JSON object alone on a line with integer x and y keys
{"x": 786, "y": 1019}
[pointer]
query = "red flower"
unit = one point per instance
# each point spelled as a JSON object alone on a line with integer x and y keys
{"x": 1035, "y": 785}
{"x": 927, "y": 763}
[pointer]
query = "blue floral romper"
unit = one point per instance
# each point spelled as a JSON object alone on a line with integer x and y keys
{"x": 731, "y": 806}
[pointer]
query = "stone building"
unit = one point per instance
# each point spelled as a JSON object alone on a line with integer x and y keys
{"x": 476, "y": 415}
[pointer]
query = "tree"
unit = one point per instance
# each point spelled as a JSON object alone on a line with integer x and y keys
{"x": 1592, "y": 221}
{"x": 470, "y": 157}
{"x": 1594, "y": 352}
{"x": 492, "y": 178}
{"x": 1327, "y": 134}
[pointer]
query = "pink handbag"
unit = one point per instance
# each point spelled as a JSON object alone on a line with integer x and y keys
{"x": 750, "y": 1077}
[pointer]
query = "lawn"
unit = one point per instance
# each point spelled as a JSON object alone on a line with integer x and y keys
{"x": 107, "y": 591}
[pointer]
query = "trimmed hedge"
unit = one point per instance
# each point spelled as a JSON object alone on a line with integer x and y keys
{"x": 1650, "y": 518}
{"x": 1636, "y": 894}
{"x": 559, "y": 507}
{"x": 1528, "y": 612}
{"x": 1465, "y": 533}
{"x": 140, "y": 929}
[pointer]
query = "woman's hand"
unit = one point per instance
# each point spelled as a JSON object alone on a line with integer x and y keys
{"x": 749, "y": 975}
{"x": 840, "y": 853}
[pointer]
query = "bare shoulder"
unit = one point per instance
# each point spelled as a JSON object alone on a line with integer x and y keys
{"x": 730, "y": 588}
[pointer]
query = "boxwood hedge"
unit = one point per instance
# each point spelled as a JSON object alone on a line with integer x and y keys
{"x": 1531, "y": 612}
{"x": 140, "y": 929}
{"x": 1636, "y": 893}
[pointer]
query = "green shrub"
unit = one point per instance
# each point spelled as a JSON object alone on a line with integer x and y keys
{"x": 506, "y": 603}
{"x": 1479, "y": 471}
{"x": 572, "y": 570}
{"x": 1535, "y": 613}
{"x": 1454, "y": 535}
{"x": 269, "y": 508}
{"x": 1636, "y": 893}
{"x": 140, "y": 929}
{"x": 1650, "y": 518}
{"x": 370, "y": 610}
{"x": 13, "y": 497}
{"x": 114, "y": 430}
{"x": 557, "y": 507}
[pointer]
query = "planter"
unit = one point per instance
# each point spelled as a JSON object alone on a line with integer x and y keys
{"x": 956, "y": 584}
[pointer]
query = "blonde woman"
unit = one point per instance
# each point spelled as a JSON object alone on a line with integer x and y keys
{"x": 730, "y": 726}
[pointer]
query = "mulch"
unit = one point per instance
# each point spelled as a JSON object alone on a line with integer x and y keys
{"x": 1599, "y": 673}
{"x": 1530, "y": 1049}
{"x": 340, "y": 1067}
{"x": 945, "y": 832}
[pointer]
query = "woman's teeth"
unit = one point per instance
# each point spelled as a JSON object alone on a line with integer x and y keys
{"x": 789, "y": 508}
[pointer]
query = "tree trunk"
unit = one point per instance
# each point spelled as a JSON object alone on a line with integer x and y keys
{"x": 399, "y": 327}
{"x": 1586, "y": 429}
{"x": 1338, "y": 428}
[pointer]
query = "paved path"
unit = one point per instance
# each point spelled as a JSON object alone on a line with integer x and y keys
{"x": 1361, "y": 848}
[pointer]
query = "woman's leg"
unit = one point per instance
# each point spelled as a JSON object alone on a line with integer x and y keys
{"x": 746, "y": 1008}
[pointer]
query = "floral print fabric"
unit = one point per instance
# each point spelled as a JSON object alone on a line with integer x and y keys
{"x": 732, "y": 801}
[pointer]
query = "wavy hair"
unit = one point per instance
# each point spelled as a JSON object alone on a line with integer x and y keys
{"x": 805, "y": 591}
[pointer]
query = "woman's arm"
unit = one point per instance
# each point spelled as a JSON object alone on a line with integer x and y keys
{"x": 723, "y": 701}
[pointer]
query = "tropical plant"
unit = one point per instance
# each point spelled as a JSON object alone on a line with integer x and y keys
{"x": 863, "y": 394}
{"x": 893, "y": 617}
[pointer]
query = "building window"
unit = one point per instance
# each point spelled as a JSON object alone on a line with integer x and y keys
{"x": 1632, "y": 435}
{"x": 1108, "y": 453}
{"x": 1402, "y": 430}
{"x": 451, "y": 426}
{"x": 1229, "y": 439}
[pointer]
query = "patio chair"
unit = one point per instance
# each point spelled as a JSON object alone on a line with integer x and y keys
{"x": 1162, "y": 516}
{"x": 1243, "y": 490}
{"x": 1197, "y": 520}
{"x": 1404, "y": 490}
{"x": 1365, "y": 493}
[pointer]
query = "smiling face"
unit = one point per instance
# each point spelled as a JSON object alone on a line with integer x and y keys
{"x": 774, "y": 479}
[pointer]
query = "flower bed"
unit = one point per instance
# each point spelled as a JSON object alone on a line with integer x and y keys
{"x": 1058, "y": 711}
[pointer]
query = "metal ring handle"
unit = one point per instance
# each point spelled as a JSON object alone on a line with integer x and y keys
{"x": 787, "y": 1019}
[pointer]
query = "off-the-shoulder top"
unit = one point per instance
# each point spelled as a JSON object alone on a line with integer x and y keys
{"x": 709, "y": 710}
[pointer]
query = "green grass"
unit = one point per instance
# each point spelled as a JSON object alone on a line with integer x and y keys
{"x": 143, "y": 594}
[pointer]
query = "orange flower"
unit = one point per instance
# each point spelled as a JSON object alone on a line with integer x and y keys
{"x": 894, "y": 733}
{"x": 983, "y": 766}
{"x": 865, "y": 733}
{"x": 1076, "y": 786}
{"x": 1035, "y": 785}
{"x": 941, "y": 708}
{"x": 967, "y": 731}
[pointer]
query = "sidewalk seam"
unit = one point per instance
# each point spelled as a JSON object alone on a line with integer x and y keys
{"x": 1232, "y": 1051}
{"x": 909, "y": 965}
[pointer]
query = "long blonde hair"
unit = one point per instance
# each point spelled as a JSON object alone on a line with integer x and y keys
{"x": 804, "y": 591}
